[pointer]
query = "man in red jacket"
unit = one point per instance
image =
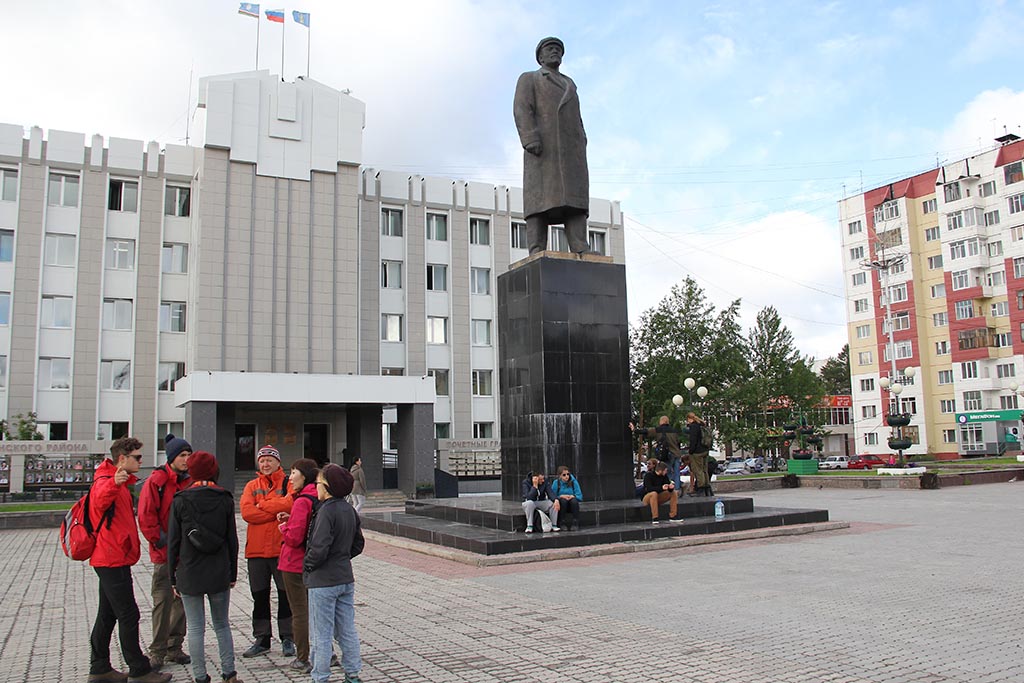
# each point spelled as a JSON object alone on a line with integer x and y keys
{"x": 117, "y": 549}
{"x": 263, "y": 498}
{"x": 154, "y": 510}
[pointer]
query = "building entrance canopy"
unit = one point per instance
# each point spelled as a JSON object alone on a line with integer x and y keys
{"x": 274, "y": 387}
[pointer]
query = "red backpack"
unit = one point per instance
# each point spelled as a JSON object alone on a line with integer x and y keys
{"x": 77, "y": 537}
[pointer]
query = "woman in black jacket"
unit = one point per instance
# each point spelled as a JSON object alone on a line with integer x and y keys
{"x": 202, "y": 557}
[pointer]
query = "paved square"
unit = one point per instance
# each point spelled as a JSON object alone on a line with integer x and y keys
{"x": 924, "y": 587}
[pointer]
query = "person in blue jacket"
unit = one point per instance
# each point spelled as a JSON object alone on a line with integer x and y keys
{"x": 568, "y": 497}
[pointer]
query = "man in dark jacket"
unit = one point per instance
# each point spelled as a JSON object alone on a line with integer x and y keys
{"x": 667, "y": 448}
{"x": 657, "y": 490}
{"x": 537, "y": 495}
{"x": 700, "y": 478}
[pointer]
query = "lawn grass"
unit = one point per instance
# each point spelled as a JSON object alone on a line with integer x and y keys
{"x": 35, "y": 507}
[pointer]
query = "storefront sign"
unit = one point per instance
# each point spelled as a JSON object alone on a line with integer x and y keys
{"x": 468, "y": 445}
{"x": 989, "y": 416}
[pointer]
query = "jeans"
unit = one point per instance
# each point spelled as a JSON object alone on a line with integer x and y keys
{"x": 332, "y": 612}
{"x": 195, "y": 618}
{"x": 674, "y": 466}
{"x": 357, "y": 501}
{"x": 116, "y": 605}
{"x": 300, "y": 612}
{"x": 543, "y": 505}
{"x": 261, "y": 569}
{"x": 168, "y": 615}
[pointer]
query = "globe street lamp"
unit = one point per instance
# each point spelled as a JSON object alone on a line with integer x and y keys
{"x": 898, "y": 419}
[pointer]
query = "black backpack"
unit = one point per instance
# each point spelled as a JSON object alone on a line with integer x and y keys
{"x": 312, "y": 514}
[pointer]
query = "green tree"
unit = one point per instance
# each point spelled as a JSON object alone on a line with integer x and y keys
{"x": 835, "y": 373}
{"x": 26, "y": 428}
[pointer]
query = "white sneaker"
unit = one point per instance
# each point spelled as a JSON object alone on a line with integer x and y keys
{"x": 529, "y": 529}
{"x": 556, "y": 528}
{"x": 673, "y": 520}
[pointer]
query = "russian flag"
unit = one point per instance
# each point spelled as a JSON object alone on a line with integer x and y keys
{"x": 276, "y": 15}
{"x": 249, "y": 9}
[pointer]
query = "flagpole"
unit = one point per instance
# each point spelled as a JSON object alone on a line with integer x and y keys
{"x": 258, "y": 22}
{"x": 282, "y": 47}
{"x": 309, "y": 33}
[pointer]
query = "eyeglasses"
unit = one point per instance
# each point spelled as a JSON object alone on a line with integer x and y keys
{"x": 565, "y": 474}
{"x": 138, "y": 458}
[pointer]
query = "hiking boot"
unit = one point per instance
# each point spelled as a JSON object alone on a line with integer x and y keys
{"x": 256, "y": 649}
{"x": 298, "y": 665}
{"x": 156, "y": 662}
{"x": 151, "y": 677}
{"x": 231, "y": 678}
{"x": 288, "y": 647}
{"x": 112, "y": 676}
{"x": 178, "y": 658}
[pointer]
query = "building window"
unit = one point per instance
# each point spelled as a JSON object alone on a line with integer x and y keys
{"x": 59, "y": 250}
{"x": 838, "y": 416}
{"x": 942, "y": 347}
{"x": 480, "y": 280}
{"x": 597, "y": 242}
{"x": 519, "y": 240}
{"x": 904, "y": 350}
{"x": 391, "y": 222}
{"x": 178, "y": 201}
{"x": 174, "y": 258}
{"x": 960, "y": 279}
{"x": 945, "y": 376}
{"x": 1004, "y": 370}
{"x": 1018, "y": 267}
{"x": 940, "y": 319}
{"x": 8, "y": 184}
{"x": 869, "y": 411}
{"x": 54, "y": 373}
{"x": 5, "y": 308}
{"x": 859, "y": 279}
{"x": 1012, "y": 173}
{"x": 969, "y": 370}
{"x": 991, "y": 218}
{"x": 867, "y": 385}
{"x": 120, "y": 254}
{"x": 483, "y": 430}
{"x": 3, "y": 371}
{"x": 860, "y": 306}
{"x": 123, "y": 196}
{"x": 392, "y": 372}
{"x": 62, "y": 190}
{"x": 935, "y": 262}
{"x": 115, "y": 375}
{"x": 1016, "y": 203}
{"x": 929, "y": 205}
{"x": 1008, "y": 402}
{"x": 963, "y": 309}
{"x": 437, "y": 330}
{"x": 947, "y": 406}
{"x": 995, "y": 279}
{"x": 168, "y": 374}
{"x": 56, "y": 311}
{"x": 479, "y": 231}
{"x": 391, "y": 327}
{"x": 481, "y": 332}
{"x": 856, "y": 253}
{"x": 931, "y": 234}
{"x": 1000, "y": 309}
{"x": 117, "y": 314}
{"x": 871, "y": 439}
{"x": 442, "y": 430}
{"x": 6, "y": 246}
{"x": 172, "y": 316}
{"x": 482, "y": 383}
{"x": 949, "y": 435}
{"x": 900, "y": 321}
{"x": 972, "y": 400}
{"x": 896, "y": 294}
{"x": 107, "y": 431}
{"x": 437, "y": 227}
{"x": 864, "y": 358}
{"x": 987, "y": 189}
{"x": 972, "y": 339}
{"x": 391, "y": 274}
{"x": 863, "y": 331}
{"x": 165, "y": 428}
{"x": 887, "y": 211}
{"x": 1002, "y": 340}
{"x": 854, "y": 227}
{"x": 437, "y": 277}
{"x": 890, "y": 238}
{"x": 440, "y": 381}
{"x": 558, "y": 240}
{"x": 951, "y": 191}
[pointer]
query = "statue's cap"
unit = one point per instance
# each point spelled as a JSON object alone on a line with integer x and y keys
{"x": 545, "y": 41}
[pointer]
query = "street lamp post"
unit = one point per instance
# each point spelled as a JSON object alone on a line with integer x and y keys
{"x": 899, "y": 419}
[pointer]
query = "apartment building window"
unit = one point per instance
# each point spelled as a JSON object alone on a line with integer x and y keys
{"x": 863, "y": 331}
{"x": 899, "y": 267}
{"x": 1008, "y": 402}
{"x": 391, "y": 274}
{"x": 896, "y": 294}
{"x": 437, "y": 330}
{"x": 174, "y": 258}
{"x": 558, "y": 240}
{"x": 120, "y": 254}
{"x": 8, "y": 184}
{"x": 940, "y": 319}
{"x": 871, "y": 439}
{"x": 437, "y": 227}
{"x": 519, "y": 239}
{"x": 969, "y": 370}
{"x": 483, "y": 430}
{"x": 931, "y": 234}
{"x": 1004, "y": 370}
{"x": 165, "y": 428}
{"x": 972, "y": 400}
{"x": 178, "y": 201}
{"x": 1013, "y": 173}
{"x": 900, "y": 321}
{"x": 996, "y": 278}
{"x": 391, "y": 222}
{"x": 392, "y": 372}
{"x": 887, "y": 211}
{"x": 106, "y": 431}
{"x": 987, "y": 189}
{"x": 54, "y": 373}
{"x": 838, "y": 416}
{"x": 117, "y": 314}
{"x": 947, "y": 406}
{"x": 1016, "y": 203}
{"x": 990, "y": 218}
{"x": 59, "y": 250}
{"x": 857, "y": 253}
{"x": 3, "y": 371}
{"x": 62, "y": 190}
{"x": 168, "y": 374}
{"x": 442, "y": 430}
{"x": 867, "y": 385}
{"x": 6, "y": 246}
{"x": 951, "y": 191}
{"x": 949, "y": 436}
{"x": 869, "y": 411}
{"x": 115, "y": 375}
{"x": 963, "y": 309}
{"x": 597, "y": 241}
{"x": 935, "y": 262}
{"x": 480, "y": 280}
{"x": 860, "y": 306}
{"x": 440, "y": 381}
{"x": 945, "y": 376}
{"x": 942, "y": 347}
{"x": 904, "y": 350}
{"x": 854, "y": 227}
{"x": 172, "y": 316}
{"x": 859, "y": 279}
{"x": 929, "y": 205}
{"x": 123, "y": 196}
{"x": 482, "y": 383}
{"x": 479, "y": 231}
{"x": 391, "y": 327}
{"x": 891, "y": 238}
{"x": 1000, "y": 309}
{"x": 972, "y": 339}
{"x": 864, "y": 358}
{"x": 909, "y": 405}
{"x": 437, "y": 277}
{"x": 56, "y": 311}
{"x": 5, "y": 308}
{"x": 481, "y": 330}
{"x": 960, "y": 279}
{"x": 1002, "y": 340}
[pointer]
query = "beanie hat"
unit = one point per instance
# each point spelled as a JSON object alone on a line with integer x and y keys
{"x": 202, "y": 466}
{"x": 339, "y": 480}
{"x": 173, "y": 446}
{"x": 268, "y": 450}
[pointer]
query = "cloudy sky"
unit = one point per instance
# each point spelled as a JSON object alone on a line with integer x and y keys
{"x": 728, "y": 130}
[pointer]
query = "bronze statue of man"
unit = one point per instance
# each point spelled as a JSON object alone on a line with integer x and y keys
{"x": 556, "y": 185}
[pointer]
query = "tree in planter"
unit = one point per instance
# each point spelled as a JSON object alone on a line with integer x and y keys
{"x": 26, "y": 428}
{"x": 835, "y": 373}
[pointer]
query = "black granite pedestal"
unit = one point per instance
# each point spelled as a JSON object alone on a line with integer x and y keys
{"x": 563, "y": 340}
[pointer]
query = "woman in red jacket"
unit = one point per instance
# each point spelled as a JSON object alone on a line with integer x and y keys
{"x": 293, "y": 532}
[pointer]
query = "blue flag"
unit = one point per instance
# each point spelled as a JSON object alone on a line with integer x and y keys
{"x": 301, "y": 17}
{"x": 249, "y": 9}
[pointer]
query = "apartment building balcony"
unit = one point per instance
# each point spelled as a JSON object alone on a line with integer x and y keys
{"x": 980, "y": 384}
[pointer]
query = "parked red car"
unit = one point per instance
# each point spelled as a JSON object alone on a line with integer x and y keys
{"x": 864, "y": 462}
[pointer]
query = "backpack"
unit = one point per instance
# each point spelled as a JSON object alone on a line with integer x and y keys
{"x": 77, "y": 537}
{"x": 200, "y": 537}
{"x": 707, "y": 439}
{"x": 661, "y": 450}
{"x": 312, "y": 514}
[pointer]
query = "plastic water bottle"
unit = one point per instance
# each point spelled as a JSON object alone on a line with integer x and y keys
{"x": 719, "y": 510}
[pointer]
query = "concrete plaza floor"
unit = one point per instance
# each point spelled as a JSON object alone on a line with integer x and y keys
{"x": 923, "y": 587}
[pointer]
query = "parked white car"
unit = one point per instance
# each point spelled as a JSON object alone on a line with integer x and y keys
{"x": 834, "y": 462}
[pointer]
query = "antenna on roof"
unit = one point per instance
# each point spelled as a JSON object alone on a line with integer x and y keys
{"x": 188, "y": 104}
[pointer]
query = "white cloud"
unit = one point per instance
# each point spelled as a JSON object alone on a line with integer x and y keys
{"x": 997, "y": 33}
{"x": 981, "y": 120}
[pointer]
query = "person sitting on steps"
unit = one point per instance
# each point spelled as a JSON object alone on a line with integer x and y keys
{"x": 659, "y": 489}
{"x": 537, "y": 495}
{"x": 568, "y": 494}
